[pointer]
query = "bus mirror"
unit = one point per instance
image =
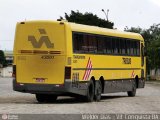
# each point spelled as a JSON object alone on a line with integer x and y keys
{"x": 145, "y": 51}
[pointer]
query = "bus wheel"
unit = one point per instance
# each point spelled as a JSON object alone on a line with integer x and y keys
{"x": 40, "y": 98}
{"x": 133, "y": 92}
{"x": 98, "y": 91}
{"x": 90, "y": 92}
{"x": 51, "y": 98}
{"x": 45, "y": 98}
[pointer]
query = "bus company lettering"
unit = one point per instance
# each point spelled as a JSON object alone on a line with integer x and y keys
{"x": 78, "y": 57}
{"x": 126, "y": 60}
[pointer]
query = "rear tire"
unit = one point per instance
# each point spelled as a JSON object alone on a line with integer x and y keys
{"x": 42, "y": 98}
{"x": 90, "y": 92}
{"x": 98, "y": 91}
{"x": 133, "y": 92}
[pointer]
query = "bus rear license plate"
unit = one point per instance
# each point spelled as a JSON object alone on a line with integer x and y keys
{"x": 40, "y": 80}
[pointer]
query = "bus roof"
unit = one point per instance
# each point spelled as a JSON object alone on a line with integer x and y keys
{"x": 104, "y": 31}
{"x": 93, "y": 29}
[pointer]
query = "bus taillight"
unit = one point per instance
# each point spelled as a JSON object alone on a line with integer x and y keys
{"x": 67, "y": 72}
{"x": 14, "y": 71}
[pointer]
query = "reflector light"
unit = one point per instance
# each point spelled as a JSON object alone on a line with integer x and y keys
{"x": 39, "y": 52}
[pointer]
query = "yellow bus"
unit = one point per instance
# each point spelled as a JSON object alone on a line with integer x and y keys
{"x": 55, "y": 58}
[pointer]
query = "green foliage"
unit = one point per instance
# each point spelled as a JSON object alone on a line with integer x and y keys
{"x": 133, "y": 29}
{"x": 152, "y": 43}
{"x": 3, "y": 62}
{"x": 88, "y": 19}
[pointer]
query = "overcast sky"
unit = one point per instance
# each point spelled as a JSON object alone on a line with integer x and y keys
{"x": 131, "y": 13}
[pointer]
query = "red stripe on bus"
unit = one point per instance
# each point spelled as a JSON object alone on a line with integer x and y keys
{"x": 133, "y": 74}
{"x": 88, "y": 70}
{"x": 84, "y": 77}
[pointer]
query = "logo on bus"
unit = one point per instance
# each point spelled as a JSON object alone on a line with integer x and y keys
{"x": 126, "y": 60}
{"x": 44, "y": 39}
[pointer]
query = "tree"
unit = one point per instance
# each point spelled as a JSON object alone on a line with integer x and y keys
{"x": 152, "y": 43}
{"x": 133, "y": 29}
{"x": 154, "y": 46}
{"x": 3, "y": 62}
{"x": 88, "y": 19}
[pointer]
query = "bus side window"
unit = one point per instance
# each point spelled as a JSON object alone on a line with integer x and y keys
{"x": 135, "y": 48}
{"x": 92, "y": 44}
{"x": 142, "y": 54}
{"x": 118, "y": 46}
{"x": 131, "y": 47}
{"x": 100, "y": 44}
{"x": 114, "y": 46}
{"x": 108, "y": 45}
{"x": 77, "y": 43}
{"x": 128, "y": 46}
{"x": 123, "y": 46}
{"x": 138, "y": 48}
{"x": 85, "y": 44}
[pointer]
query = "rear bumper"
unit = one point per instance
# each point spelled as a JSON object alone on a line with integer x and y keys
{"x": 65, "y": 89}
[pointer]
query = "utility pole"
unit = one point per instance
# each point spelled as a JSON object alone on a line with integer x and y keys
{"x": 106, "y": 14}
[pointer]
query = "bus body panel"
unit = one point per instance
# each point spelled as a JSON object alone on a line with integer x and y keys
{"x": 40, "y": 52}
{"x": 34, "y": 69}
{"x": 40, "y": 30}
{"x": 110, "y": 67}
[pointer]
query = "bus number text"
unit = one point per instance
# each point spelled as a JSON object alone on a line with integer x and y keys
{"x": 47, "y": 57}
